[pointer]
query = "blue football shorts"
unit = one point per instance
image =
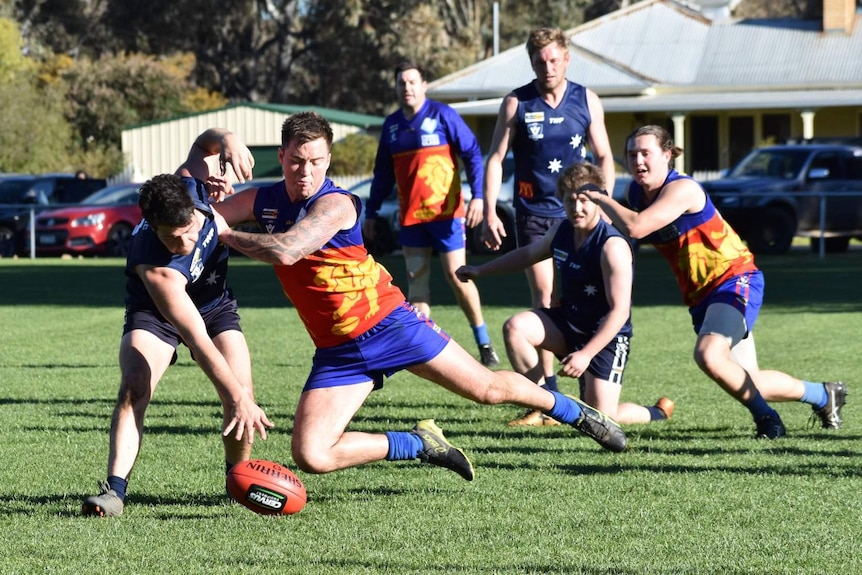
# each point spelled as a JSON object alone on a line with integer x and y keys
{"x": 529, "y": 229}
{"x": 402, "y": 339}
{"x": 743, "y": 292}
{"x": 443, "y": 236}
{"x": 609, "y": 364}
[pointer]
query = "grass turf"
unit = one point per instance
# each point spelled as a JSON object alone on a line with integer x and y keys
{"x": 695, "y": 494}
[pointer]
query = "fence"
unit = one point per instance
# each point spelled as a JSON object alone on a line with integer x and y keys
{"x": 9, "y": 230}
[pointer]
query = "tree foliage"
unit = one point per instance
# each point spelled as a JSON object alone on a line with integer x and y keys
{"x": 120, "y": 63}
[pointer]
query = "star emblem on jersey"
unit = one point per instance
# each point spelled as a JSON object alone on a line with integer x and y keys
{"x": 576, "y": 141}
{"x": 555, "y": 166}
{"x": 212, "y": 279}
{"x": 590, "y": 289}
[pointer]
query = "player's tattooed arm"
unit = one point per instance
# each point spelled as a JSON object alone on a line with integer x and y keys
{"x": 326, "y": 217}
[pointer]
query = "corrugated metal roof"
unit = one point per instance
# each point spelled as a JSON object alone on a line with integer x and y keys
{"x": 699, "y": 100}
{"x": 660, "y": 46}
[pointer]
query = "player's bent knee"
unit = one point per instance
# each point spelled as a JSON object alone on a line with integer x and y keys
{"x": 312, "y": 460}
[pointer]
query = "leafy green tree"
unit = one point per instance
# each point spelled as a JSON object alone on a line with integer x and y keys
{"x": 353, "y": 154}
{"x": 36, "y": 137}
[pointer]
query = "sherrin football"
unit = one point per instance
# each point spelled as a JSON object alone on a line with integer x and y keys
{"x": 266, "y": 487}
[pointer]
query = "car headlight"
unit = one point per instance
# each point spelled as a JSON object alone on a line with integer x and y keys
{"x": 89, "y": 220}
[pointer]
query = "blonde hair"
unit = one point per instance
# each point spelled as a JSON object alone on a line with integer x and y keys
{"x": 541, "y": 37}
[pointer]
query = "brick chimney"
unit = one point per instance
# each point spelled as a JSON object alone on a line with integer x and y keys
{"x": 839, "y": 16}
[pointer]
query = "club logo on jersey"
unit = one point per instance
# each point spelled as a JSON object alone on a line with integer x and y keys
{"x": 535, "y": 131}
{"x": 429, "y": 125}
{"x": 197, "y": 266}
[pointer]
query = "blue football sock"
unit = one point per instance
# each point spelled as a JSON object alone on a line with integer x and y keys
{"x": 480, "y": 334}
{"x": 551, "y": 383}
{"x": 118, "y": 484}
{"x": 655, "y": 414}
{"x": 815, "y": 394}
{"x": 758, "y": 406}
{"x": 565, "y": 409}
{"x": 403, "y": 445}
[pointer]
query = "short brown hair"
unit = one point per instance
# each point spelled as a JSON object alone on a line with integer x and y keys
{"x": 541, "y": 37}
{"x": 577, "y": 175}
{"x": 304, "y": 127}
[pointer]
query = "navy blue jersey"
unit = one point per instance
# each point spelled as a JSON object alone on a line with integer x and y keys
{"x": 546, "y": 141}
{"x": 205, "y": 268}
{"x": 584, "y": 301}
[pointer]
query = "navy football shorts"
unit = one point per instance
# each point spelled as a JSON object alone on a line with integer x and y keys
{"x": 609, "y": 364}
{"x": 529, "y": 229}
{"x": 220, "y": 318}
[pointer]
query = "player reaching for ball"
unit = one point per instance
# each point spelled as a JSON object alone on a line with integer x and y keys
{"x": 718, "y": 279}
{"x": 590, "y": 330}
{"x": 176, "y": 292}
{"x": 362, "y": 326}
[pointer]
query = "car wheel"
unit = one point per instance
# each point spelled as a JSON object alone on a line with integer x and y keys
{"x": 831, "y": 245}
{"x": 7, "y": 242}
{"x": 118, "y": 240}
{"x": 773, "y": 234}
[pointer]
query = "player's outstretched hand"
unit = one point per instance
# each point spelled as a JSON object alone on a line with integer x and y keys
{"x": 248, "y": 417}
{"x": 237, "y": 154}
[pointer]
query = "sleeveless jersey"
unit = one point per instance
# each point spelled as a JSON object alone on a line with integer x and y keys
{"x": 339, "y": 291}
{"x": 546, "y": 141}
{"x": 584, "y": 301}
{"x": 702, "y": 249}
{"x": 420, "y": 156}
{"x": 205, "y": 268}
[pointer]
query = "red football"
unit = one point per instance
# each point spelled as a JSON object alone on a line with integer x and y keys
{"x": 266, "y": 487}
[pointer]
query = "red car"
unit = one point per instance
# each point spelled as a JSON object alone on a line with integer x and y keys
{"x": 100, "y": 225}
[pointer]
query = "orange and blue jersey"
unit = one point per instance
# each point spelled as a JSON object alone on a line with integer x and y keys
{"x": 339, "y": 291}
{"x": 702, "y": 249}
{"x": 419, "y": 156}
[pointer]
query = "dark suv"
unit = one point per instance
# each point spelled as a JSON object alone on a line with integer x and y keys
{"x": 773, "y": 194}
{"x": 20, "y": 194}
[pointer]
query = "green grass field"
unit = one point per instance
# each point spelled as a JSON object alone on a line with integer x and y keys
{"x": 695, "y": 494}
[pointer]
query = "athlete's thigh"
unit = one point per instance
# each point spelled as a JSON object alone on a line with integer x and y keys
{"x": 539, "y": 330}
{"x": 144, "y": 358}
{"x": 323, "y": 413}
{"x": 456, "y": 370}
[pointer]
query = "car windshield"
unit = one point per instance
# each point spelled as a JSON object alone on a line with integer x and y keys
{"x": 16, "y": 192}
{"x": 113, "y": 195}
{"x": 771, "y": 163}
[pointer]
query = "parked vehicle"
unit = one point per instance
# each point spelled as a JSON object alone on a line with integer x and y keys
{"x": 21, "y": 194}
{"x": 101, "y": 225}
{"x": 772, "y": 195}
